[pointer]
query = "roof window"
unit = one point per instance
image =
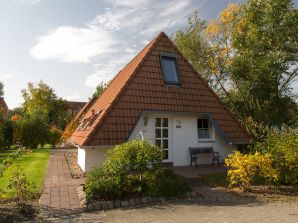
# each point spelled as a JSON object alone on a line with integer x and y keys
{"x": 169, "y": 69}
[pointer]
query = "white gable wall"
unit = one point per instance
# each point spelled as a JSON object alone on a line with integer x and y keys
{"x": 182, "y": 138}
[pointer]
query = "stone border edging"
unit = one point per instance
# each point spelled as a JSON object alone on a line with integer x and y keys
{"x": 133, "y": 202}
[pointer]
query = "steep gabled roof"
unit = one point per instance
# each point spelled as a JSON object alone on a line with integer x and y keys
{"x": 139, "y": 86}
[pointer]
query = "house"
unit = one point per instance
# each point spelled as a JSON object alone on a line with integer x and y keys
{"x": 3, "y": 108}
{"x": 74, "y": 107}
{"x": 158, "y": 97}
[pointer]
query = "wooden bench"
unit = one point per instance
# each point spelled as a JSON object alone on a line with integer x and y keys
{"x": 196, "y": 151}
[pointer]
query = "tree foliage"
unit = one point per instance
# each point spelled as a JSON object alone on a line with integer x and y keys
{"x": 282, "y": 146}
{"x": 249, "y": 56}
{"x": 100, "y": 89}
{"x": 42, "y": 98}
{"x": 54, "y": 136}
{"x": 6, "y": 132}
{"x": 32, "y": 130}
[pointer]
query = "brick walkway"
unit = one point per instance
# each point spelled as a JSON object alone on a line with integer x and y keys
{"x": 59, "y": 196}
{"x": 193, "y": 212}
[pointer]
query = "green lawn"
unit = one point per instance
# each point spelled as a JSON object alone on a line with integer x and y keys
{"x": 4, "y": 154}
{"x": 34, "y": 165}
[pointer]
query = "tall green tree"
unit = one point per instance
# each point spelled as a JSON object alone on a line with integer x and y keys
{"x": 266, "y": 39}
{"x": 42, "y": 98}
{"x": 251, "y": 58}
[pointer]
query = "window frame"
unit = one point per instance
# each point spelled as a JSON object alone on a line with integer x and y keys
{"x": 173, "y": 57}
{"x": 162, "y": 137}
{"x": 209, "y": 129}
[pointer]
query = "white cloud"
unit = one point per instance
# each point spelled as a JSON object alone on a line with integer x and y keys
{"x": 105, "y": 72}
{"x": 6, "y": 77}
{"x": 113, "y": 37}
{"x": 128, "y": 3}
{"x": 176, "y": 8}
{"x": 73, "y": 97}
{"x": 72, "y": 44}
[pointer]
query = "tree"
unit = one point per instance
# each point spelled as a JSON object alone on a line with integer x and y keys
{"x": 16, "y": 111}
{"x": 42, "y": 98}
{"x": 54, "y": 136}
{"x": 32, "y": 130}
{"x": 194, "y": 46}
{"x": 251, "y": 58}
{"x": 265, "y": 65}
{"x": 100, "y": 89}
{"x": 6, "y": 132}
{"x": 1, "y": 89}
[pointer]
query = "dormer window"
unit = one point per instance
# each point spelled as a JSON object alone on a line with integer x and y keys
{"x": 169, "y": 69}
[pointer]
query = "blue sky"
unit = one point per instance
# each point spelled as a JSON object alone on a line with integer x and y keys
{"x": 73, "y": 45}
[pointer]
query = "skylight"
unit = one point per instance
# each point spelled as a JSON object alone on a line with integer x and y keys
{"x": 170, "y": 70}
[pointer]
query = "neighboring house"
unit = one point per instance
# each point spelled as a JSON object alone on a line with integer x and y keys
{"x": 3, "y": 108}
{"x": 158, "y": 97}
{"x": 75, "y": 107}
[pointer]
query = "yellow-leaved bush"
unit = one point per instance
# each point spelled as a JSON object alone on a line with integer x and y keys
{"x": 244, "y": 168}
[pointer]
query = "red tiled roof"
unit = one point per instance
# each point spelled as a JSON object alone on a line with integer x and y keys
{"x": 139, "y": 86}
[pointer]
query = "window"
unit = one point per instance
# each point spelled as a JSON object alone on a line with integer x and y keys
{"x": 203, "y": 129}
{"x": 162, "y": 135}
{"x": 170, "y": 70}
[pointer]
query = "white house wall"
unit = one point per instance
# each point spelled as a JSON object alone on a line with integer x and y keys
{"x": 182, "y": 138}
{"x": 89, "y": 157}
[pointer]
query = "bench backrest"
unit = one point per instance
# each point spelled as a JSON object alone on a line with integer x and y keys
{"x": 200, "y": 150}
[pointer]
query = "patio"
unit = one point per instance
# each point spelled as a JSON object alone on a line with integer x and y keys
{"x": 193, "y": 172}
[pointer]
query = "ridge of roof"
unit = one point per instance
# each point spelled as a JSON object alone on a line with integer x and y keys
{"x": 138, "y": 59}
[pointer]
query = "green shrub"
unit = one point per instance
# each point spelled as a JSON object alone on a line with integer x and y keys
{"x": 54, "y": 136}
{"x": 133, "y": 169}
{"x": 20, "y": 184}
{"x": 32, "y": 130}
{"x": 100, "y": 185}
{"x": 134, "y": 156}
{"x": 165, "y": 183}
{"x": 6, "y": 132}
{"x": 283, "y": 147}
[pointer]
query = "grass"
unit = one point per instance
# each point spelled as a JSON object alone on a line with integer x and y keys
{"x": 4, "y": 154}
{"x": 34, "y": 166}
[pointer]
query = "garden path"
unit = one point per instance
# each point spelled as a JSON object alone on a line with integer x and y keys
{"x": 59, "y": 196}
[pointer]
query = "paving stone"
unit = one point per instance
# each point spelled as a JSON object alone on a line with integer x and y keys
{"x": 132, "y": 202}
{"x": 124, "y": 203}
{"x": 138, "y": 200}
{"x": 98, "y": 206}
{"x": 144, "y": 200}
{"x": 117, "y": 204}
{"x": 110, "y": 204}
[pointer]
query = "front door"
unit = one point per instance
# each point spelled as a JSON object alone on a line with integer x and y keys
{"x": 162, "y": 136}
